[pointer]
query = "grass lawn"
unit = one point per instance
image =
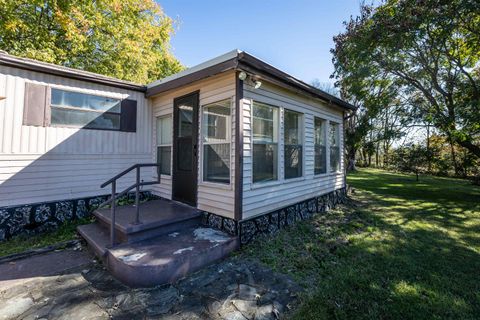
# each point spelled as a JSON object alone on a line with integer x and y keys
{"x": 400, "y": 249}
{"x": 25, "y": 242}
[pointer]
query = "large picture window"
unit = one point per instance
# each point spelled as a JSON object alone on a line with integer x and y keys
{"x": 164, "y": 144}
{"x": 265, "y": 142}
{"x": 334, "y": 143}
{"x": 320, "y": 146}
{"x": 293, "y": 141}
{"x": 75, "y": 109}
{"x": 216, "y": 133}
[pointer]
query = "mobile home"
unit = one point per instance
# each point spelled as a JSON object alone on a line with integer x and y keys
{"x": 236, "y": 140}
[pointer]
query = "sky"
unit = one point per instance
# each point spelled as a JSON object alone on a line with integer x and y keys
{"x": 294, "y": 36}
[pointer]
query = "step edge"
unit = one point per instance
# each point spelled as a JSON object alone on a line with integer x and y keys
{"x": 199, "y": 252}
{"x": 128, "y": 230}
{"x": 96, "y": 248}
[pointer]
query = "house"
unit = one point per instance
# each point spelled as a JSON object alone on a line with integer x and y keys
{"x": 235, "y": 139}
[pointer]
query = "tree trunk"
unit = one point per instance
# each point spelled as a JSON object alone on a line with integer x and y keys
{"x": 351, "y": 154}
{"x": 474, "y": 149}
{"x": 429, "y": 157}
{"x": 454, "y": 156}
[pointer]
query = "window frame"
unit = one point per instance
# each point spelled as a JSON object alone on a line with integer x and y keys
{"x": 56, "y": 125}
{"x": 330, "y": 171}
{"x": 202, "y": 143}
{"x": 157, "y": 145}
{"x": 279, "y": 179}
{"x": 301, "y": 124}
{"x": 325, "y": 123}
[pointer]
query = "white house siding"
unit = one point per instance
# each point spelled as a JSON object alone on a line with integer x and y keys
{"x": 211, "y": 197}
{"x": 263, "y": 198}
{"x": 39, "y": 164}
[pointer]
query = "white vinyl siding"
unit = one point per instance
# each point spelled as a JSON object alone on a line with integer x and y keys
{"x": 212, "y": 197}
{"x": 262, "y": 198}
{"x": 39, "y": 164}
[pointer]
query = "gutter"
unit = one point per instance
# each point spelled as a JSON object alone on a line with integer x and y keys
{"x": 56, "y": 70}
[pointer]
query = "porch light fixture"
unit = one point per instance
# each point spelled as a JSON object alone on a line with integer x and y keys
{"x": 242, "y": 75}
{"x": 257, "y": 84}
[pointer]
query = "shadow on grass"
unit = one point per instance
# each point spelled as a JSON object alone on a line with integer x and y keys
{"x": 399, "y": 250}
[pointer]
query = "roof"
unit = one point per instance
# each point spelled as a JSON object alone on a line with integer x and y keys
{"x": 233, "y": 60}
{"x": 53, "y": 69}
{"x": 240, "y": 60}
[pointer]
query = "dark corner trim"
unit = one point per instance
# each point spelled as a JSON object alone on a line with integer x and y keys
{"x": 238, "y": 148}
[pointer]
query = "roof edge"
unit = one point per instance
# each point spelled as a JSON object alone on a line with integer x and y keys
{"x": 57, "y": 70}
{"x": 237, "y": 59}
{"x": 246, "y": 59}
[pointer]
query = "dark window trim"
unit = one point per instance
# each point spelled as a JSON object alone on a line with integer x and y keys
{"x": 57, "y": 125}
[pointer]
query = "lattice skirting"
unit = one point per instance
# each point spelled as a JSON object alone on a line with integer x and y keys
{"x": 272, "y": 222}
{"x": 40, "y": 217}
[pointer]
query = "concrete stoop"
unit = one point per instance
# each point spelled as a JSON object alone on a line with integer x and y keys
{"x": 168, "y": 244}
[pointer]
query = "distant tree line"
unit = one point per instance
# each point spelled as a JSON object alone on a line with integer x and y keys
{"x": 410, "y": 64}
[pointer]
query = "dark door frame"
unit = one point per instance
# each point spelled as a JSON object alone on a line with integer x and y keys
{"x": 176, "y": 183}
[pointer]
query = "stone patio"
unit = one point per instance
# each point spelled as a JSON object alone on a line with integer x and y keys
{"x": 232, "y": 289}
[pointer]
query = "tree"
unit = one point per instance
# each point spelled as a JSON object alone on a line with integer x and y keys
{"x": 328, "y": 87}
{"x": 126, "y": 39}
{"x": 429, "y": 51}
{"x": 410, "y": 158}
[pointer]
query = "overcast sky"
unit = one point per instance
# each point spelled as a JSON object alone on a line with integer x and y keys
{"x": 295, "y": 36}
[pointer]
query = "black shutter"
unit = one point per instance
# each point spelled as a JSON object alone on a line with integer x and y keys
{"x": 35, "y": 104}
{"x": 128, "y": 118}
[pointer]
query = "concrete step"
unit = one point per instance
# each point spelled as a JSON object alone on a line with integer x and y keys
{"x": 157, "y": 217}
{"x": 97, "y": 237}
{"x": 170, "y": 257}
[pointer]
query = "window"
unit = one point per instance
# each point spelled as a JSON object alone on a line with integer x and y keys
{"x": 293, "y": 137}
{"x": 265, "y": 142}
{"x": 85, "y": 110}
{"x": 334, "y": 143}
{"x": 216, "y": 132}
{"x": 164, "y": 144}
{"x": 320, "y": 147}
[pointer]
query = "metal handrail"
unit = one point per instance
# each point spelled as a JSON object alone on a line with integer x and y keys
{"x": 115, "y": 196}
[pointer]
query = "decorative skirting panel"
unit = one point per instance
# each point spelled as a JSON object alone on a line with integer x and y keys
{"x": 272, "y": 222}
{"x": 227, "y": 225}
{"x": 40, "y": 217}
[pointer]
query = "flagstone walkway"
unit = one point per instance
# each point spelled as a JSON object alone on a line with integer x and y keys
{"x": 70, "y": 284}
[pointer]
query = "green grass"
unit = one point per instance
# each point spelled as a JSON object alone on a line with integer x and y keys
{"x": 23, "y": 243}
{"x": 400, "y": 249}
